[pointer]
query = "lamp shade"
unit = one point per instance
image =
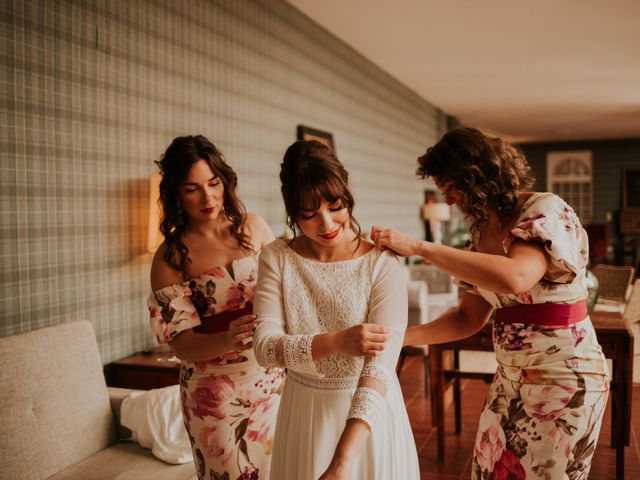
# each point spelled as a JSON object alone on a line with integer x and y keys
{"x": 436, "y": 212}
{"x": 154, "y": 238}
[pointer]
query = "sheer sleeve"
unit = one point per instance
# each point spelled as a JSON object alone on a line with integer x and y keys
{"x": 171, "y": 311}
{"x": 387, "y": 306}
{"x": 273, "y": 347}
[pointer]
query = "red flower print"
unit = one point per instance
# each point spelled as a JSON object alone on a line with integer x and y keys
{"x": 509, "y": 467}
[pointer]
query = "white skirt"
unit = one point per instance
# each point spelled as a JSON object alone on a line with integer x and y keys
{"x": 311, "y": 419}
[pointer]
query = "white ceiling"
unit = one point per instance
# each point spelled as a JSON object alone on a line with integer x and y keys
{"x": 530, "y": 70}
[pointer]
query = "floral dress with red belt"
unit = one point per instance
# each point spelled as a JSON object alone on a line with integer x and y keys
{"x": 230, "y": 403}
{"x": 545, "y": 405}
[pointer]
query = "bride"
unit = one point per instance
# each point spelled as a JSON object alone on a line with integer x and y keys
{"x": 342, "y": 415}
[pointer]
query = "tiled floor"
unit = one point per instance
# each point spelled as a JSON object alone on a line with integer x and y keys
{"x": 459, "y": 448}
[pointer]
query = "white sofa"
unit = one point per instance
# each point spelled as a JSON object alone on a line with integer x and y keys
{"x": 57, "y": 414}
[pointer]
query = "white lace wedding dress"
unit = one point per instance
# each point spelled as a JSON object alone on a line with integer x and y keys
{"x": 297, "y": 298}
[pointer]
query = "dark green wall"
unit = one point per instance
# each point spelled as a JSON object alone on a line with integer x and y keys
{"x": 610, "y": 158}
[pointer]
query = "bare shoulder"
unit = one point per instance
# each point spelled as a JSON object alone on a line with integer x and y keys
{"x": 261, "y": 234}
{"x": 162, "y": 274}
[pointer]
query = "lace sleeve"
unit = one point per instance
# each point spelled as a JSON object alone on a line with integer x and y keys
{"x": 388, "y": 306}
{"x": 271, "y": 344}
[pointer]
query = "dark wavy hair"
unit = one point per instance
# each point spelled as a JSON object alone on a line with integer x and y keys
{"x": 174, "y": 166}
{"x": 486, "y": 169}
{"x": 310, "y": 172}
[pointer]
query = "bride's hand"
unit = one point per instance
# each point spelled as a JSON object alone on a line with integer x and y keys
{"x": 402, "y": 244}
{"x": 365, "y": 339}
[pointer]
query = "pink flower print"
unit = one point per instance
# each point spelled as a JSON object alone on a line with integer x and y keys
{"x": 261, "y": 425}
{"x": 560, "y": 441}
{"x": 512, "y": 337}
{"x": 210, "y": 439}
{"x": 509, "y": 467}
{"x": 490, "y": 441}
{"x": 218, "y": 272}
{"x": 578, "y": 335}
{"x": 546, "y": 402}
{"x": 211, "y": 395}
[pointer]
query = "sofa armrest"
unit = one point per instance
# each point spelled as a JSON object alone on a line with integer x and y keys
{"x": 116, "y": 396}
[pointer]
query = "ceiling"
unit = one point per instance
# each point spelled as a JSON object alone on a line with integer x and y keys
{"x": 529, "y": 70}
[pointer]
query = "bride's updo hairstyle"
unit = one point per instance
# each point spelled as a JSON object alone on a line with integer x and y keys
{"x": 310, "y": 172}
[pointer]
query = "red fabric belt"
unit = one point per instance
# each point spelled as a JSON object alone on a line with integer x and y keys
{"x": 220, "y": 321}
{"x": 544, "y": 313}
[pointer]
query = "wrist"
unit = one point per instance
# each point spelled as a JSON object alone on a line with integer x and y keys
{"x": 323, "y": 343}
{"x": 422, "y": 249}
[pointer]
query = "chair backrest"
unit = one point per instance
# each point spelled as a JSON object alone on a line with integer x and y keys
{"x": 614, "y": 282}
{"x": 438, "y": 281}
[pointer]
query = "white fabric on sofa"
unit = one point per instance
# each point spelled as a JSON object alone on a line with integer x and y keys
{"x": 154, "y": 418}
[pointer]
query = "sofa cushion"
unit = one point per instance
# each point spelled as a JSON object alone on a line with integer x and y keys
{"x": 54, "y": 407}
{"x": 126, "y": 461}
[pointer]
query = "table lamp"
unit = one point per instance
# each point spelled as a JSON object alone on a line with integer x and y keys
{"x": 436, "y": 213}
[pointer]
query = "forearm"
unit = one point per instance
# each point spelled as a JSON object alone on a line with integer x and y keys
{"x": 351, "y": 441}
{"x": 496, "y": 273}
{"x": 450, "y": 326}
{"x": 325, "y": 344}
{"x": 195, "y": 347}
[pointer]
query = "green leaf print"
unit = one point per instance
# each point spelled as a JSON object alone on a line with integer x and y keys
{"x": 577, "y": 400}
{"x": 241, "y": 429}
{"x": 210, "y": 288}
{"x": 552, "y": 349}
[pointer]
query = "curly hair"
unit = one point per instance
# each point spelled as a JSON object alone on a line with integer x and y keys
{"x": 310, "y": 172}
{"x": 175, "y": 165}
{"x": 486, "y": 169}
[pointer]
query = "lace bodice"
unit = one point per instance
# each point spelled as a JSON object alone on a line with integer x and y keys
{"x": 298, "y": 298}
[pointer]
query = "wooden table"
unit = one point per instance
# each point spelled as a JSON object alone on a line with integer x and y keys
{"x": 143, "y": 371}
{"x": 616, "y": 339}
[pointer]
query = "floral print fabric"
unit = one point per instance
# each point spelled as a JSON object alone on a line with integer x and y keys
{"x": 546, "y": 219}
{"x": 544, "y": 408}
{"x": 229, "y": 403}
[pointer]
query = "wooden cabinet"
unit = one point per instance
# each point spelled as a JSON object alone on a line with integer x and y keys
{"x": 143, "y": 371}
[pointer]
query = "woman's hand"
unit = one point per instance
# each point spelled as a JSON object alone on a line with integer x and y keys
{"x": 402, "y": 244}
{"x": 240, "y": 333}
{"x": 365, "y": 339}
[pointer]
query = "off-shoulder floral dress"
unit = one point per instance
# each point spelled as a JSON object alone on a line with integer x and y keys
{"x": 544, "y": 409}
{"x": 230, "y": 403}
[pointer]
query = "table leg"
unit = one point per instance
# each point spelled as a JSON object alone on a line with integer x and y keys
{"x": 437, "y": 396}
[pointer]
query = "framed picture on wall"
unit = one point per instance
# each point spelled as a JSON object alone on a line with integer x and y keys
{"x": 308, "y": 133}
{"x": 631, "y": 189}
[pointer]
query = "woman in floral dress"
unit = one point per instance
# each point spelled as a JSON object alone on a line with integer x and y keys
{"x": 203, "y": 278}
{"x": 527, "y": 258}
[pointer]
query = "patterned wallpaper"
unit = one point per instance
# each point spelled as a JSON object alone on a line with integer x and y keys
{"x": 94, "y": 91}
